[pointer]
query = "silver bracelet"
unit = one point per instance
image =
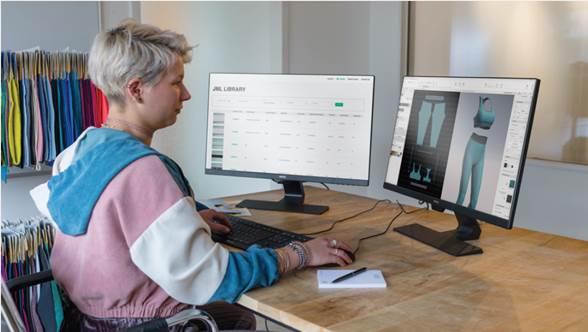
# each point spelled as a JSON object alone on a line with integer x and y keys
{"x": 299, "y": 249}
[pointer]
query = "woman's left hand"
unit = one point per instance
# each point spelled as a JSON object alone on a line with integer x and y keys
{"x": 218, "y": 222}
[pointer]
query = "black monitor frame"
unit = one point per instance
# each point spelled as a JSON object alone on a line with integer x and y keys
{"x": 293, "y": 200}
{"x": 468, "y": 228}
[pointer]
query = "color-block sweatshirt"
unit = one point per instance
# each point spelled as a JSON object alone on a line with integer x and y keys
{"x": 145, "y": 250}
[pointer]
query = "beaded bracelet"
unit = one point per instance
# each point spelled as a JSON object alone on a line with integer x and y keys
{"x": 300, "y": 250}
{"x": 308, "y": 253}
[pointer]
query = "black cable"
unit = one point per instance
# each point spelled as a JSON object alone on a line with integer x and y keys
{"x": 403, "y": 211}
{"x": 266, "y": 327}
{"x": 382, "y": 233}
{"x": 347, "y": 218}
{"x": 327, "y": 187}
{"x": 413, "y": 211}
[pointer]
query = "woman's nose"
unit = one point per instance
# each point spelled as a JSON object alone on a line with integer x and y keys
{"x": 185, "y": 94}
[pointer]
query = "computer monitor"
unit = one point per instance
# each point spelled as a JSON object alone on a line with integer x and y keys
{"x": 460, "y": 144}
{"x": 290, "y": 128}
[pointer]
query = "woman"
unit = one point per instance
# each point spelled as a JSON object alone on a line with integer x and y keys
{"x": 132, "y": 243}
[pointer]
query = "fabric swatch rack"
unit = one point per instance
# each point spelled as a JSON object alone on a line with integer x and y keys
{"x": 26, "y": 248}
{"x": 47, "y": 101}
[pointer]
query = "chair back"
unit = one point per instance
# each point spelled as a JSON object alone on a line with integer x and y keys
{"x": 36, "y": 300}
{"x": 10, "y": 312}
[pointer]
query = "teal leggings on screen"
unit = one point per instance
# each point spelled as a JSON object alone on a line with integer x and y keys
{"x": 431, "y": 111}
{"x": 473, "y": 165}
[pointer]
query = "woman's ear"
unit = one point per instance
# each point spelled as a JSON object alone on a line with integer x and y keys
{"x": 135, "y": 90}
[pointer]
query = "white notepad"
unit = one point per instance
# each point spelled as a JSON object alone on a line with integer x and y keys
{"x": 367, "y": 279}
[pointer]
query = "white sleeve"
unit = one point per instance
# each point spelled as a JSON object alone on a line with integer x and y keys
{"x": 40, "y": 196}
{"x": 177, "y": 252}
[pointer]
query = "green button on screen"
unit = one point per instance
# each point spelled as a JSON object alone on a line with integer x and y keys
{"x": 338, "y": 104}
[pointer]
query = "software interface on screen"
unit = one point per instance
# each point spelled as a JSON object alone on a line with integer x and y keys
{"x": 461, "y": 140}
{"x": 305, "y": 125}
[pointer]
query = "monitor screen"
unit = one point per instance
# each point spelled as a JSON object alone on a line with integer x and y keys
{"x": 460, "y": 143}
{"x": 290, "y": 127}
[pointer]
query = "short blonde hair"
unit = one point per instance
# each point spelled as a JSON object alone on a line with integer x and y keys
{"x": 133, "y": 50}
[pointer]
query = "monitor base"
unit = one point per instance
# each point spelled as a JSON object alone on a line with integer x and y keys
{"x": 293, "y": 201}
{"x": 283, "y": 206}
{"x": 451, "y": 242}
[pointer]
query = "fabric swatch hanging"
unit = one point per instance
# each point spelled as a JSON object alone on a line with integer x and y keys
{"x": 26, "y": 248}
{"x": 48, "y": 100}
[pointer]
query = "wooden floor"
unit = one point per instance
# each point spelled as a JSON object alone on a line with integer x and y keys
{"x": 524, "y": 281}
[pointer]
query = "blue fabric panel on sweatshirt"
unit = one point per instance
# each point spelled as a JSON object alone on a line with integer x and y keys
{"x": 178, "y": 176}
{"x": 256, "y": 267}
{"x": 74, "y": 192}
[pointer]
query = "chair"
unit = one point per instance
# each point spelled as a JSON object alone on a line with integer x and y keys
{"x": 15, "y": 323}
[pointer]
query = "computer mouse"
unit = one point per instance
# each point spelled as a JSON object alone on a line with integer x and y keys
{"x": 349, "y": 253}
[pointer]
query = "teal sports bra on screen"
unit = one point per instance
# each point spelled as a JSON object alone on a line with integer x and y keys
{"x": 484, "y": 118}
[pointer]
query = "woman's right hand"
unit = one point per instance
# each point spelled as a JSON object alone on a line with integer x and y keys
{"x": 327, "y": 250}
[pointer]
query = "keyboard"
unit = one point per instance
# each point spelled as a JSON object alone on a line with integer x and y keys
{"x": 245, "y": 233}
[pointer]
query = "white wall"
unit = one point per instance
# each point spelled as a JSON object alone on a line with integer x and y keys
{"x": 231, "y": 37}
{"x": 51, "y": 26}
{"x": 554, "y": 199}
{"x": 112, "y": 12}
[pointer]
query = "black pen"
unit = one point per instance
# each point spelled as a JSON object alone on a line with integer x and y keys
{"x": 349, "y": 275}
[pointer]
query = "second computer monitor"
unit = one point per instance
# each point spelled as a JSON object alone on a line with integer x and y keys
{"x": 460, "y": 143}
{"x": 290, "y": 128}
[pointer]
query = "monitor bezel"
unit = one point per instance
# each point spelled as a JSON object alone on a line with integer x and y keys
{"x": 292, "y": 177}
{"x": 443, "y": 204}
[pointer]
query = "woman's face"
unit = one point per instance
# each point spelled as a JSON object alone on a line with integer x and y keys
{"x": 163, "y": 101}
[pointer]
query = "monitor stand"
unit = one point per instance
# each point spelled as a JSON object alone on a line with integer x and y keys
{"x": 451, "y": 242}
{"x": 293, "y": 201}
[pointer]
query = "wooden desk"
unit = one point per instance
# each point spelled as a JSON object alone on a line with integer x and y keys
{"x": 524, "y": 281}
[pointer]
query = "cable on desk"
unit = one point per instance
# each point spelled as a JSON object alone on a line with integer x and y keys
{"x": 382, "y": 233}
{"x": 350, "y": 217}
{"x": 402, "y": 211}
{"x": 413, "y": 211}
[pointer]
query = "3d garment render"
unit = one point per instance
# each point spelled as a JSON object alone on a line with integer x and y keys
{"x": 473, "y": 158}
{"x": 485, "y": 116}
{"x": 415, "y": 174}
{"x": 432, "y": 109}
{"x": 432, "y": 112}
{"x": 473, "y": 165}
